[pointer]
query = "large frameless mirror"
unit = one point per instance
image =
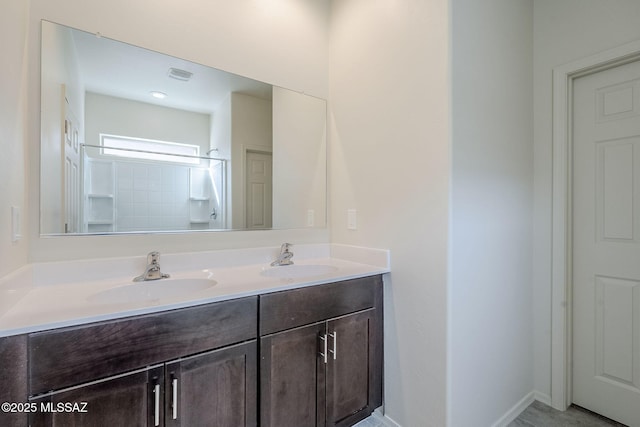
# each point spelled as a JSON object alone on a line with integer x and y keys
{"x": 137, "y": 141}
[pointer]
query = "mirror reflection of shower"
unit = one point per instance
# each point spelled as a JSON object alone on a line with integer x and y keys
{"x": 82, "y": 101}
{"x": 125, "y": 192}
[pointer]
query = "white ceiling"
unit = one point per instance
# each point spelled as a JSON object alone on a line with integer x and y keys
{"x": 122, "y": 70}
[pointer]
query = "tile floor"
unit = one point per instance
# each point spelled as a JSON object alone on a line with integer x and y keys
{"x": 540, "y": 415}
{"x": 370, "y": 422}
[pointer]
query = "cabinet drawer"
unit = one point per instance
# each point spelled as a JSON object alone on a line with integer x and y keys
{"x": 75, "y": 355}
{"x": 290, "y": 309}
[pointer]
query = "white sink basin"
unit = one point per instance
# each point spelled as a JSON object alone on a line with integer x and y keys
{"x": 297, "y": 271}
{"x": 151, "y": 291}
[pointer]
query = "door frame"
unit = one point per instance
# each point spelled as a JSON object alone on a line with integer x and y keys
{"x": 561, "y": 233}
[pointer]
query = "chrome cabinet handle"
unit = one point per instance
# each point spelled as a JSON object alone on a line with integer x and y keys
{"x": 156, "y": 408}
{"x": 325, "y": 346}
{"x": 174, "y": 401}
{"x": 334, "y": 335}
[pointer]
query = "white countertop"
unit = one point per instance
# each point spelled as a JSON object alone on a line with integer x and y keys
{"x": 51, "y": 295}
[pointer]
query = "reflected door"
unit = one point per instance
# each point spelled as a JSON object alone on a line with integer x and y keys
{"x": 606, "y": 243}
{"x": 71, "y": 167}
{"x": 259, "y": 183}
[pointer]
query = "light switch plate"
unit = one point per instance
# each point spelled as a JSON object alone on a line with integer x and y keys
{"x": 352, "y": 220}
{"x": 311, "y": 218}
{"x": 15, "y": 224}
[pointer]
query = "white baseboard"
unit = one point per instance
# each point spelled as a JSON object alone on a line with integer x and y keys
{"x": 379, "y": 416}
{"x": 516, "y": 410}
{"x": 542, "y": 398}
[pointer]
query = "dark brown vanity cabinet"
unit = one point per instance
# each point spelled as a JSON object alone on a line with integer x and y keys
{"x": 321, "y": 354}
{"x": 308, "y": 357}
{"x": 13, "y": 379}
{"x": 189, "y": 367}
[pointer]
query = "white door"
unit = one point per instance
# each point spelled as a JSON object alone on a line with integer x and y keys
{"x": 606, "y": 243}
{"x": 71, "y": 167}
{"x": 259, "y": 190}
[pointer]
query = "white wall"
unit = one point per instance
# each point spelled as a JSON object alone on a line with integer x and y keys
{"x": 244, "y": 37}
{"x": 491, "y": 363}
{"x": 563, "y": 32}
{"x": 251, "y": 128}
{"x": 61, "y": 83}
{"x": 124, "y": 117}
{"x": 389, "y": 159}
{"x": 299, "y": 158}
{"x": 13, "y": 121}
{"x": 221, "y": 140}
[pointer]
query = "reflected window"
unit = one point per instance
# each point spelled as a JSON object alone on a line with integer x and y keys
{"x": 148, "y": 149}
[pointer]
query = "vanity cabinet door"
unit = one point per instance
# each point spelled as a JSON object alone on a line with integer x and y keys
{"x": 328, "y": 373}
{"x": 132, "y": 400}
{"x": 292, "y": 378}
{"x": 217, "y": 388}
{"x": 351, "y": 372}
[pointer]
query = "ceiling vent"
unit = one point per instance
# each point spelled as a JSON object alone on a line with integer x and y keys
{"x": 178, "y": 74}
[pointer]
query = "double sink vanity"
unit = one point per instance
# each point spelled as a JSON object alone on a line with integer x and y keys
{"x": 226, "y": 340}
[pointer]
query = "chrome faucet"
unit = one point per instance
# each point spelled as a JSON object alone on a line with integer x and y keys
{"x": 152, "y": 271}
{"x": 285, "y": 256}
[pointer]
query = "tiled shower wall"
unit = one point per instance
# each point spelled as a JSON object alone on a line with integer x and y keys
{"x": 151, "y": 197}
{"x": 147, "y": 197}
